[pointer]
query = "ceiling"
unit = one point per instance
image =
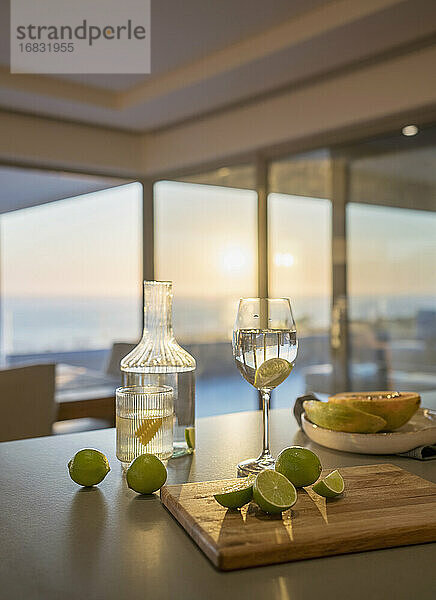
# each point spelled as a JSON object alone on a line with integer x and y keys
{"x": 417, "y": 165}
{"x": 209, "y": 55}
{"x": 184, "y": 31}
{"x": 22, "y": 188}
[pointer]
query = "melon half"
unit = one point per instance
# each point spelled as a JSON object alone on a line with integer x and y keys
{"x": 396, "y": 408}
{"x": 339, "y": 417}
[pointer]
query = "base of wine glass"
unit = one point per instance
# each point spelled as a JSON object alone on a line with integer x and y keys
{"x": 255, "y": 465}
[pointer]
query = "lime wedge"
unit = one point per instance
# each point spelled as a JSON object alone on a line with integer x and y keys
{"x": 190, "y": 437}
{"x": 271, "y": 373}
{"x": 273, "y": 492}
{"x": 330, "y": 486}
{"x": 238, "y": 494}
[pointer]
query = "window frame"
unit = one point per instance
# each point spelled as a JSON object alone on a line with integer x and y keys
{"x": 343, "y": 148}
{"x": 364, "y": 140}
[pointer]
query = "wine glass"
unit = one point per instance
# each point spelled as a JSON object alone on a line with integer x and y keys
{"x": 264, "y": 348}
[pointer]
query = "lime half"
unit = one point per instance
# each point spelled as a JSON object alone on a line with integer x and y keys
{"x": 190, "y": 437}
{"x": 330, "y": 486}
{"x": 273, "y": 492}
{"x": 271, "y": 373}
{"x": 237, "y": 494}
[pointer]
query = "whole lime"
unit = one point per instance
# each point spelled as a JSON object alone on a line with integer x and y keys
{"x": 300, "y": 465}
{"x": 146, "y": 474}
{"x": 88, "y": 467}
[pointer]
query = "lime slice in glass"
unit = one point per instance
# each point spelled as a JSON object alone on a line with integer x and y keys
{"x": 273, "y": 492}
{"x": 190, "y": 437}
{"x": 271, "y": 373}
{"x": 330, "y": 486}
{"x": 237, "y": 494}
{"x": 147, "y": 429}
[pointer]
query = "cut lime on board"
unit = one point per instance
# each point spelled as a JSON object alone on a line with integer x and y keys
{"x": 190, "y": 437}
{"x": 330, "y": 486}
{"x": 236, "y": 495}
{"x": 271, "y": 373}
{"x": 273, "y": 492}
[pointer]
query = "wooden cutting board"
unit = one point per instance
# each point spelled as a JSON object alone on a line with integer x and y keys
{"x": 382, "y": 506}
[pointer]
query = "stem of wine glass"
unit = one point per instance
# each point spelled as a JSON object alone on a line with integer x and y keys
{"x": 266, "y": 396}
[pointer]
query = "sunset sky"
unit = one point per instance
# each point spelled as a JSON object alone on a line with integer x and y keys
{"x": 391, "y": 251}
{"x": 84, "y": 246}
{"x": 206, "y": 243}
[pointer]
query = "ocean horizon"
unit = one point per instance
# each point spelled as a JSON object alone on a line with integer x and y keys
{"x": 64, "y": 324}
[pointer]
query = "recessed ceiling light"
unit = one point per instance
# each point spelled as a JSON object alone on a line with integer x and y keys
{"x": 409, "y": 130}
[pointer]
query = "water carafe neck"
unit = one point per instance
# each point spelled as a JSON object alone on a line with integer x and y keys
{"x": 158, "y": 306}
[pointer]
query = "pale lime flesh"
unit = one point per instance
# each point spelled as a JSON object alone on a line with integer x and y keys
{"x": 331, "y": 486}
{"x": 272, "y": 373}
{"x": 273, "y": 492}
{"x": 190, "y": 437}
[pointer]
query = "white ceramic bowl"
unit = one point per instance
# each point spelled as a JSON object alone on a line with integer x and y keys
{"x": 419, "y": 431}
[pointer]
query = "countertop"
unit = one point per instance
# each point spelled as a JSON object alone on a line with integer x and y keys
{"x": 61, "y": 541}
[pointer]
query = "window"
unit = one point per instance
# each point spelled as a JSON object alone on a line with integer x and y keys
{"x": 392, "y": 297}
{"x": 391, "y": 238}
{"x": 205, "y": 242}
{"x": 299, "y": 232}
{"x": 70, "y": 277}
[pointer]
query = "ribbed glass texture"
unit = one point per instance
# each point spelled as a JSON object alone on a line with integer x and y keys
{"x": 144, "y": 422}
{"x": 158, "y": 350}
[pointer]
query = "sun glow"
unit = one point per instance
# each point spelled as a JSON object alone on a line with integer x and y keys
{"x": 283, "y": 259}
{"x": 233, "y": 259}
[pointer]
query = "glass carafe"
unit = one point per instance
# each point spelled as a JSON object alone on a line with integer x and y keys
{"x": 159, "y": 360}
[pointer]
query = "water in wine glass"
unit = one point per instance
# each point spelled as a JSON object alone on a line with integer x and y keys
{"x": 265, "y": 357}
{"x": 265, "y": 349}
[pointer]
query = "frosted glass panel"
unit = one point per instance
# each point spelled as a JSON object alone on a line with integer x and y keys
{"x": 300, "y": 268}
{"x": 206, "y": 243}
{"x": 71, "y": 273}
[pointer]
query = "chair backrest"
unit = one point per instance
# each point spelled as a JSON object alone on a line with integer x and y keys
{"x": 119, "y": 351}
{"x": 27, "y": 399}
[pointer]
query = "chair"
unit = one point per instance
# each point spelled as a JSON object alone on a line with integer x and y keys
{"x": 119, "y": 351}
{"x": 27, "y": 395}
